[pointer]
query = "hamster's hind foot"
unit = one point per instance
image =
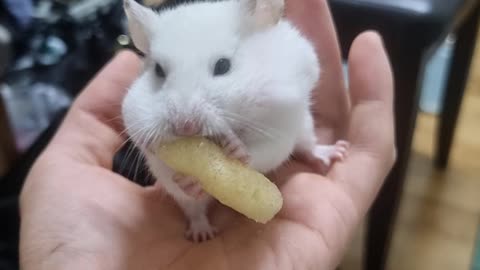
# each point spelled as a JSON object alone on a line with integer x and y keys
{"x": 331, "y": 153}
{"x": 200, "y": 230}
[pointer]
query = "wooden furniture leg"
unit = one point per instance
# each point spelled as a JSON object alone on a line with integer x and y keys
{"x": 382, "y": 216}
{"x": 457, "y": 82}
{"x": 8, "y": 149}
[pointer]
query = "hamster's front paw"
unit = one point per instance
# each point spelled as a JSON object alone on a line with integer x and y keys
{"x": 234, "y": 148}
{"x": 189, "y": 185}
{"x": 330, "y": 153}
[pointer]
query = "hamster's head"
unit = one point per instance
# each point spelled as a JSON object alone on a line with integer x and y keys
{"x": 190, "y": 79}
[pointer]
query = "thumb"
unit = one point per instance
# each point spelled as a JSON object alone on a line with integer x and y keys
{"x": 371, "y": 130}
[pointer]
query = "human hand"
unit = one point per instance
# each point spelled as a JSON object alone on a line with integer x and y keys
{"x": 77, "y": 214}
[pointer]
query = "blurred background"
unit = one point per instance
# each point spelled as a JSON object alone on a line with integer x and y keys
{"x": 49, "y": 50}
{"x": 438, "y": 223}
{"x": 428, "y": 215}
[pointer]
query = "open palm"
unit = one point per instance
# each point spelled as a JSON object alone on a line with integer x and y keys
{"x": 77, "y": 214}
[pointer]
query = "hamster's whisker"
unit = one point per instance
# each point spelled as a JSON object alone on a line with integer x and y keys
{"x": 259, "y": 130}
{"x": 129, "y": 139}
{"x": 243, "y": 120}
{"x": 141, "y": 133}
{"x": 210, "y": 132}
{"x": 252, "y": 126}
{"x": 137, "y": 135}
{"x": 149, "y": 137}
{"x": 127, "y": 129}
{"x": 123, "y": 163}
{"x": 137, "y": 165}
{"x": 119, "y": 117}
{"x": 112, "y": 104}
{"x": 133, "y": 161}
{"x": 123, "y": 144}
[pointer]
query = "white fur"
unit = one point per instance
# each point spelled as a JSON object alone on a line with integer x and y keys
{"x": 267, "y": 90}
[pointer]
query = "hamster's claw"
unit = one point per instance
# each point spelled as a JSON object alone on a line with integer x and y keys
{"x": 200, "y": 230}
{"x": 235, "y": 149}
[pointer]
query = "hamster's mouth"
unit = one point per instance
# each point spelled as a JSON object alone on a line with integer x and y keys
{"x": 223, "y": 141}
{"x": 152, "y": 148}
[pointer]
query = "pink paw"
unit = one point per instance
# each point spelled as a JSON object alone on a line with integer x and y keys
{"x": 189, "y": 185}
{"x": 330, "y": 153}
{"x": 235, "y": 149}
{"x": 340, "y": 150}
{"x": 200, "y": 230}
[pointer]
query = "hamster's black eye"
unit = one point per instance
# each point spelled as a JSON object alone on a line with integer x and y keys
{"x": 221, "y": 67}
{"x": 159, "y": 71}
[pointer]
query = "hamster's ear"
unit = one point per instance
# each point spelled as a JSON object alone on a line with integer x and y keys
{"x": 141, "y": 20}
{"x": 262, "y": 14}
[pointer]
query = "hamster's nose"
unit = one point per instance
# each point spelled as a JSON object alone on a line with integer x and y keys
{"x": 187, "y": 128}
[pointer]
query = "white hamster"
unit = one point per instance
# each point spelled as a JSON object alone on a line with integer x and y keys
{"x": 234, "y": 71}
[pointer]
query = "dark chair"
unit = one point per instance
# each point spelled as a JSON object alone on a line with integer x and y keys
{"x": 412, "y": 30}
{"x": 8, "y": 151}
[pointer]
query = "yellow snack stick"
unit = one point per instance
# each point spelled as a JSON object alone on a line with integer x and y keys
{"x": 229, "y": 181}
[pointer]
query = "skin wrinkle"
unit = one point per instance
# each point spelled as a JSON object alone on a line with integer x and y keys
{"x": 70, "y": 247}
{"x": 288, "y": 257}
{"x": 177, "y": 258}
{"x": 268, "y": 245}
{"x": 220, "y": 246}
{"x": 345, "y": 224}
{"x": 321, "y": 238}
{"x": 342, "y": 219}
{"x": 56, "y": 248}
{"x": 58, "y": 258}
{"x": 237, "y": 248}
{"x": 311, "y": 229}
{"x": 225, "y": 256}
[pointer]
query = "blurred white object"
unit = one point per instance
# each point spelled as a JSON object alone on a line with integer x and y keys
{"x": 435, "y": 78}
{"x": 81, "y": 9}
{"x": 22, "y": 10}
{"x": 30, "y": 109}
{"x": 5, "y": 48}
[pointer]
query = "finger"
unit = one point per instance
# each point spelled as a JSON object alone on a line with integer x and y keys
{"x": 88, "y": 133}
{"x": 371, "y": 132}
{"x": 314, "y": 20}
{"x": 371, "y": 94}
